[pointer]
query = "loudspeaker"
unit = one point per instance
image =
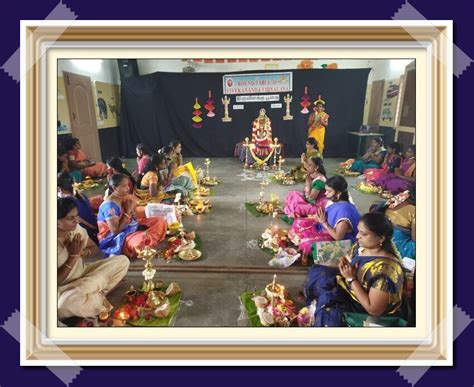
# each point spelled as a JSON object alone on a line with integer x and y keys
{"x": 128, "y": 68}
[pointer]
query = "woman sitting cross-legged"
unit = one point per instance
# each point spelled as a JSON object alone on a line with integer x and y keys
{"x": 115, "y": 165}
{"x": 301, "y": 204}
{"x": 401, "y": 211}
{"x": 78, "y": 160}
{"x": 119, "y": 232}
{"x": 337, "y": 222}
{"x": 82, "y": 288}
{"x": 299, "y": 173}
{"x": 370, "y": 280}
{"x": 87, "y": 218}
{"x": 373, "y": 158}
{"x": 392, "y": 160}
{"x": 158, "y": 178}
{"x": 403, "y": 178}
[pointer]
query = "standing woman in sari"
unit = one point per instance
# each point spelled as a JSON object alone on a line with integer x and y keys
{"x": 79, "y": 160}
{"x": 337, "y": 222}
{"x": 299, "y": 172}
{"x": 301, "y": 204}
{"x": 403, "y": 178}
{"x": 373, "y": 158}
{"x": 119, "y": 232}
{"x": 82, "y": 288}
{"x": 371, "y": 281}
{"x": 317, "y": 122}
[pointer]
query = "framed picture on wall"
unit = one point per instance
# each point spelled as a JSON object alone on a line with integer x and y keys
{"x": 421, "y": 344}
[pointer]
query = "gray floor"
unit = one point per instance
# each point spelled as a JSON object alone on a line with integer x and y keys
{"x": 230, "y": 263}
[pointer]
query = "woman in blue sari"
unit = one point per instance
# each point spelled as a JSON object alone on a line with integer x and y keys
{"x": 369, "y": 281}
{"x": 336, "y": 222}
{"x": 373, "y": 158}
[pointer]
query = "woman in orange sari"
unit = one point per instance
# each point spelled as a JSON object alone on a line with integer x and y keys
{"x": 79, "y": 160}
{"x": 119, "y": 232}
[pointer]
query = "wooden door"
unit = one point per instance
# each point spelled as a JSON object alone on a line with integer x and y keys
{"x": 80, "y": 101}
{"x": 376, "y": 103}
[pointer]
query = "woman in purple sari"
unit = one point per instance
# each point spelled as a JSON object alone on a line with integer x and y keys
{"x": 337, "y": 222}
{"x": 403, "y": 178}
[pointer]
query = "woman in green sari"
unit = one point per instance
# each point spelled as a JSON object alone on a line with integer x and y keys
{"x": 299, "y": 172}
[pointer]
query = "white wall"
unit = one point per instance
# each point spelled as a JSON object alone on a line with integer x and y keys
{"x": 102, "y": 70}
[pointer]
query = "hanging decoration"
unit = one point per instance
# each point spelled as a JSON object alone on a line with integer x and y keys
{"x": 225, "y": 102}
{"x": 210, "y": 105}
{"x": 197, "y": 115}
{"x": 305, "y": 101}
{"x": 288, "y": 100}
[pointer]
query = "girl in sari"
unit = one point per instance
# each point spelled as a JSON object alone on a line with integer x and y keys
{"x": 142, "y": 159}
{"x": 392, "y": 160}
{"x": 179, "y": 177}
{"x": 178, "y": 169}
{"x": 82, "y": 288}
{"x": 299, "y": 172}
{"x": 369, "y": 280}
{"x": 372, "y": 158}
{"x": 403, "y": 178}
{"x": 78, "y": 160}
{"x": 317, "y": 122}
{"x": 119, "y": 232}
{"x": 301, "y": 204}
{"x": 337, "y": 222}
{"x": 87, "y": 218}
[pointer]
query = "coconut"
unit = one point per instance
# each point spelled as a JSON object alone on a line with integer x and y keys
{"x": 173, "y": 289}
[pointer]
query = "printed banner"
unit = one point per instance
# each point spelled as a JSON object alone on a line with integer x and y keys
{"x": 262, "y": 83}
{"x": 257, "y": 98}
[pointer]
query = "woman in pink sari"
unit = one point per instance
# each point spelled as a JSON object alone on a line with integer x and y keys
{"x": 79, "y": 160}
{"x": 301, "y": 204}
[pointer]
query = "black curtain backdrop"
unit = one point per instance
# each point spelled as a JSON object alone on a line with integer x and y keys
{"x": 158, "y": 107}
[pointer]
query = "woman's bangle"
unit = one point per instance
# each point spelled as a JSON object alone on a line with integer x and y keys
{"x": 127, "y": 215}
{"x": 74, "y": 255}
{"x": 68, "y": 266}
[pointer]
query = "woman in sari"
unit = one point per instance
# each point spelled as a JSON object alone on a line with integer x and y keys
{"x": 299, "y": 172}
{"x": 142, "y": 159}
{"x": 301, "y": 204}
{"x": 64, "y": 166}
{"x": 87, "y": 218}
{"x": 401, "y": 211}
{"x": 392, "y": 160}
{"x": 181, "y": 172}
{"x": 372, "y": 158}
{"x": 317, "y": 122}
{"x": 114, "y": 166}
{"x": 82, "y": 288}
{"x": 119, "y": 232}
{"x": 369, "y": 281}
{"x": 403, "y": 178}
{"x": 78, "y": 160}
{"x": 337, "y": 222}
